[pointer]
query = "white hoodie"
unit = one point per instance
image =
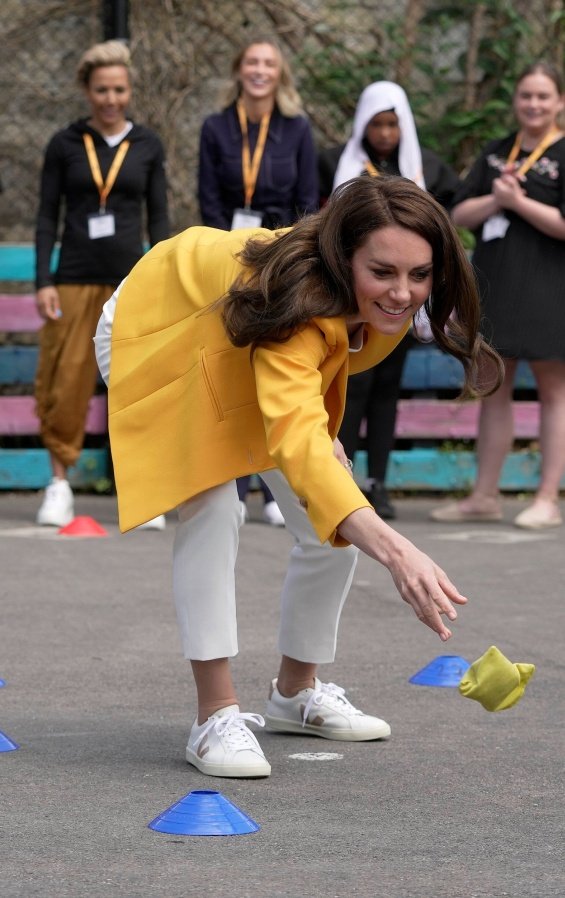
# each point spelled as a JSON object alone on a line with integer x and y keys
{"x": 380, "y": 97}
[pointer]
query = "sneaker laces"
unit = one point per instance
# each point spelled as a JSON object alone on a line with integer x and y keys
{"x": 329, "y": 693}
{"x": 232, "y": 726}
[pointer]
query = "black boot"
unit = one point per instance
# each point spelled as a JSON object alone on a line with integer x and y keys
{"x": 378, "y": 497}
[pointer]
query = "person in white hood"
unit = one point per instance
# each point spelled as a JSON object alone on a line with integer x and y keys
{"x": 384, "y": 142}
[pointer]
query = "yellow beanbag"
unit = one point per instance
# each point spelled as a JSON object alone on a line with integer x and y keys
{"x": 494, "y": 681}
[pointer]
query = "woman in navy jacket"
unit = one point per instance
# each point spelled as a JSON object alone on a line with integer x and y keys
{"x": 258, "y": 164}
{"x": 286, "y": 183}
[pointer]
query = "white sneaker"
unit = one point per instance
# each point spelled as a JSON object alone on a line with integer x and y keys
{"x": 243, "y": 511}
{"x": 322, "y": 711}
{"x": 57, "y": 508}
{"x": 272, "y": 514}
{"x": 158, "y": 523}
{"x": 225, "y": 746}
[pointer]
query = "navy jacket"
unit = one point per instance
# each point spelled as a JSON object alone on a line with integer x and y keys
{"x": 287, "y": 185}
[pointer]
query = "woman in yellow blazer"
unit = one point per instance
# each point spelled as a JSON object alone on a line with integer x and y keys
{"x": 230, "y": 353}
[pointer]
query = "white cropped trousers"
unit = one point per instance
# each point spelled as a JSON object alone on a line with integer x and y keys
{"x": 204, "y": 556}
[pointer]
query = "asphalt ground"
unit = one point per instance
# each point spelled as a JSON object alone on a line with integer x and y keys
{"x": 459, "y": 802}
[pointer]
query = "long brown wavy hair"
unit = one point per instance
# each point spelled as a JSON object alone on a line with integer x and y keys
{"x": 306, "y": 272}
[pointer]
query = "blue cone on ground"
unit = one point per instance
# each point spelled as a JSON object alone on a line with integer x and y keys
{"x": 6, "y": 744}
{"x": 445, "y": 670}
{"x": 204, "y": 813}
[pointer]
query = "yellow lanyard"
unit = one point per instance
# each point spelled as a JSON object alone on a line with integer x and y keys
{"x": 534, "y": 155}
{"x": 104, "y": 187}
{"x": 369, "y": 167}
{"x": 251, "y": 165}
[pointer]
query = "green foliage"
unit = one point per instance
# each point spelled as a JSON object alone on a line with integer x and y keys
{"x": 457, "y": 112}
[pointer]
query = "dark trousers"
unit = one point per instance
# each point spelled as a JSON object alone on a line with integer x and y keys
{"x": 373, "y": 395}
{"x": 243, "y": 489}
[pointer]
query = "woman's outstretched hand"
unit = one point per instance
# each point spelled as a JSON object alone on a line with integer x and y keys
{"x": 419, "y": 580}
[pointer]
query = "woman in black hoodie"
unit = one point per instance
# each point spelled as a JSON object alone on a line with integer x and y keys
{"x": 103, "y": 170}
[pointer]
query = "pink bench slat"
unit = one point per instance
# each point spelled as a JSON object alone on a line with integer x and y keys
{"x": 19, "y": 313}
{"x": 445, "y": 419}
{"x": 17, "y": 416}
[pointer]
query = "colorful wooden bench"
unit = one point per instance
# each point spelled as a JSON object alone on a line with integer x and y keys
{"x": 426, "y": 429}
{"x": 28, "y": 467}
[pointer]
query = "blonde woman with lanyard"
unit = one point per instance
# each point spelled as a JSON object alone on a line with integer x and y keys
{"x": 103, "y": 168}
{"x": 258, "y": 163}
{"x": 514, "y": 201}
{"x": 384, "y": 141}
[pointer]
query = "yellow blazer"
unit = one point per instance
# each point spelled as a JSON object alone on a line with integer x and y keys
{"x": 188, "y": 411}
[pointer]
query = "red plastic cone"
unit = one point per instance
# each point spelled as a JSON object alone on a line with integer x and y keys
{"x": 83, "y": 526}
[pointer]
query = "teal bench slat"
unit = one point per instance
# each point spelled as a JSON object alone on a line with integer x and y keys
{"x": 30, "y": 469}
{"x": 17, "y": 261}
{"x": 434, "y": 470}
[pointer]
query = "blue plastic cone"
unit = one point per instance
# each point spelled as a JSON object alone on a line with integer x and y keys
{"x": 445, "y": 670}
{"x": 204, "y": 813}
{"x": 7, "y": 744}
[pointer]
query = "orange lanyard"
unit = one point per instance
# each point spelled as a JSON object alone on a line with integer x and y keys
{"x": 250, "y": 164}
{"x": 369, "y": 167}
{"x": 104, "y": 187}
{"x": 534, "y": 155}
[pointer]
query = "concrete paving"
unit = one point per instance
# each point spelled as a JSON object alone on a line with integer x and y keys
{"x": 459, "y": 802}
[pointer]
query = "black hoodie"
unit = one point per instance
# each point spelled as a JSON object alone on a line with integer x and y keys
{"x": 66, "y": 177}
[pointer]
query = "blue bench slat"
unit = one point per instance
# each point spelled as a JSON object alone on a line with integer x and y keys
{"x": 29, "y": 469}
{"x": 428, "y": 368}
{"x": 18, "y": 364}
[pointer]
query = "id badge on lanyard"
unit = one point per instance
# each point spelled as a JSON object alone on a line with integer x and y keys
{"x": 246, "y": 218}
{"x": 103, "y": 223}
{"x": 495, "y": 227}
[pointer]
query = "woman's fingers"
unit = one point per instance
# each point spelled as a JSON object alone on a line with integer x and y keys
{"x": 430, "y": 594}
{"x": 429, "y": 611}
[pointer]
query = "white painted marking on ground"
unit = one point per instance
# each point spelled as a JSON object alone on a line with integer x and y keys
{"x": 27, "y": 532}
{"x": 45, "y": 533}
{"x": 316, "y": 756}
{"x": 500, "y": 537}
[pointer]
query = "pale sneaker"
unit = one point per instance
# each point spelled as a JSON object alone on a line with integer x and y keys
{"x": 272, "y": 514}
{"x": 243, "y": 511}
{"x": 225, "y": 746}
{"x": 158, "y": 523}
{"x": 322, "y": 711}
{"x": 57, "y": 508}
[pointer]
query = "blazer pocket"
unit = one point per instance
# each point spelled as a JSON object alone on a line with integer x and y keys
{"x": 229, "y": 379}
{"x": 208, "y": 383}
